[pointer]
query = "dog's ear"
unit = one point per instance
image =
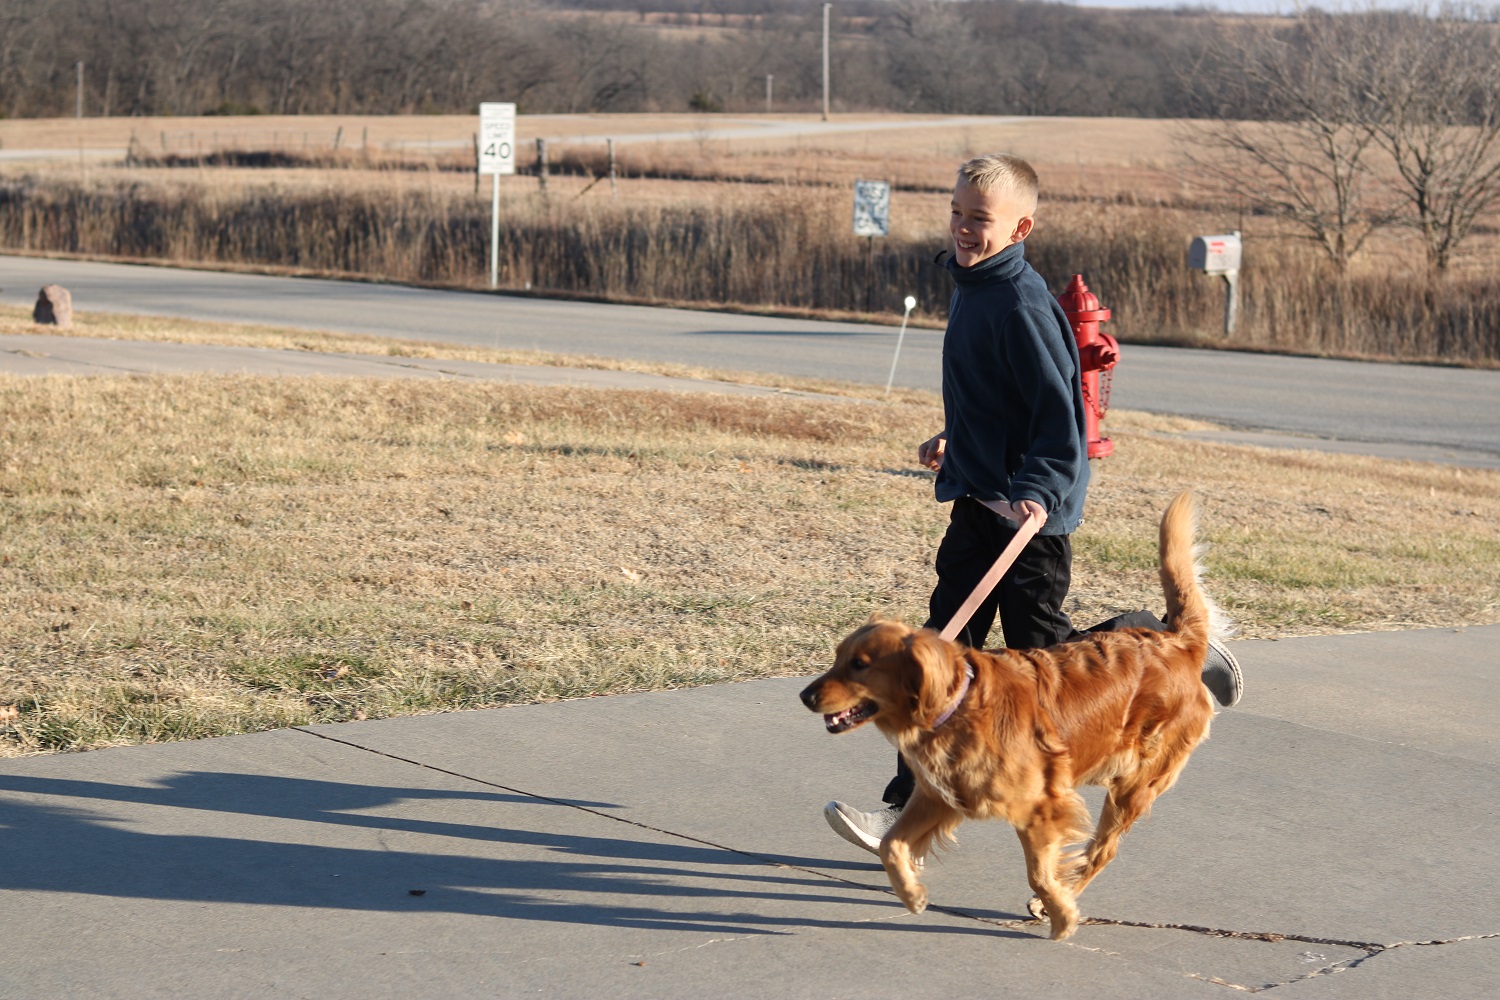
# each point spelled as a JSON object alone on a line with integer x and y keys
{"x": 931, "y": 679}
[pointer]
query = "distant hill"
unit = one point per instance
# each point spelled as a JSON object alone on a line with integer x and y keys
{"x": 157, "y": 57}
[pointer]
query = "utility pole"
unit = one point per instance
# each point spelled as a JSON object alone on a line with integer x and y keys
{"x": 826, "y": 8}
{"x": 79, "y": 103}
{"x": 769, "y": 78}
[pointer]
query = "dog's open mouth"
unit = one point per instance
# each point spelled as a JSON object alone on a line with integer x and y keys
{"x": 840, "y": 722}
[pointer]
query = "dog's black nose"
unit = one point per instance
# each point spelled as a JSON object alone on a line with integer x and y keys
{"x": 810, "y": 696}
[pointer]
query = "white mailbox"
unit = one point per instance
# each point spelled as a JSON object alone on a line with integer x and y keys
{"x": 1215, "y": 254}
{"x": 1220, "y": 255}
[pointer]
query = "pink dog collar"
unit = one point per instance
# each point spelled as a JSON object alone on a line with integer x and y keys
{"x": 963, "y": 691}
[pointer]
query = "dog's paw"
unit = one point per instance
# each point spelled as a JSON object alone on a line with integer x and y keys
{"x": 916, "y": 901}
{"x": 1063, "y": 923}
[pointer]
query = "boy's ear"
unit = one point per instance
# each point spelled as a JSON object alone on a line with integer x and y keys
{"x": 1023, "y": 229}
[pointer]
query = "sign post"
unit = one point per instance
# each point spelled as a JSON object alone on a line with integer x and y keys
{"x": 872, "y": 218}
{"x": 497, "y": 155}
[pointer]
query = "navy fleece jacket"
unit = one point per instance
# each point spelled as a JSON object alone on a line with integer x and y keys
{"x": 1012, "y": 398}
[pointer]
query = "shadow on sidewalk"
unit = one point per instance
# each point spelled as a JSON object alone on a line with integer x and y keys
{"x": 281, "y": 857}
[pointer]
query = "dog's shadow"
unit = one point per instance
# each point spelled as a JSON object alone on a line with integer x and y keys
{"x": 553, "y": 861}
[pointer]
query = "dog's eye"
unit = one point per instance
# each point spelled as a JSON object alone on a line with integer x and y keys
{"x": 859, "y": 663}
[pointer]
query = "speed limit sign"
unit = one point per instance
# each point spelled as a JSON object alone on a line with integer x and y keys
{"x": 497, "y": 138}
{"x": 497, "y": 155}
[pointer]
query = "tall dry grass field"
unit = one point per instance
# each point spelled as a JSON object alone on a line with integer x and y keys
{"x": 747, "y": 222}
{"x": 186, "y": 557}
{"x": 758, "y": 246}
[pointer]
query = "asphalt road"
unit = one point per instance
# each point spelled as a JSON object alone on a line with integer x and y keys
{"x": 1415, "y": 411}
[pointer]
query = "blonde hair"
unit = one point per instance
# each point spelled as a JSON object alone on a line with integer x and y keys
{"x": 1010, "y": 174}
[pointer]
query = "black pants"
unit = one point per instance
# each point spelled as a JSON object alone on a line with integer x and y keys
{"x": 1028, "y": 599}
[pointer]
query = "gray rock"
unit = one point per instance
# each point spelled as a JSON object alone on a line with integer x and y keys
{"x": 54, "y": 306}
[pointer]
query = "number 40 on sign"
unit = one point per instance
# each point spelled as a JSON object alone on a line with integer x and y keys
{"x": 497, "y": 138}
{"x": 497, "y": 155}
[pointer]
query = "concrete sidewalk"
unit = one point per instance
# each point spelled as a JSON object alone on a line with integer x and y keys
{"x": 1337, "y": 837}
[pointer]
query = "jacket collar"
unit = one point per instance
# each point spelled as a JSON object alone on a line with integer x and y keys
{"x": 1002, "y": 266}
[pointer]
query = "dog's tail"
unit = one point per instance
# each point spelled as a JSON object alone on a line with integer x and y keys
{"x": 1189, "y": 611}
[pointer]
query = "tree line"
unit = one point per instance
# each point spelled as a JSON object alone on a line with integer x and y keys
{"x": 184, "y": 57}
{"x": 1386, "y": 118}
{"x": 189, "y": 57}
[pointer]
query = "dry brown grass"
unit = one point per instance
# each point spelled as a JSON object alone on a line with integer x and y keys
{"x": 1089, "y": 166}
{"x": 782, "y": 249}
{"x": 1133, "y": 161}
{"x": 184, "y": 557}
{"x": 166, "y": 329}
{"x": 762, "y": 224}
{"x": 1100, "y": 159}
{"x": 773, "y": 236}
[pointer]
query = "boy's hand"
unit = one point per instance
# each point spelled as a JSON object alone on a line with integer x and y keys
{"x": 1020, "y": 510}
{"x": 930, "y": 452}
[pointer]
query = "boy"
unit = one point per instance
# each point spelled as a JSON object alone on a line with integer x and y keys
{"x": 1013, "y": 445}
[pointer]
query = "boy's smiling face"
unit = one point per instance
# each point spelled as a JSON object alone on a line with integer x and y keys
{"x": 985, "y": 222}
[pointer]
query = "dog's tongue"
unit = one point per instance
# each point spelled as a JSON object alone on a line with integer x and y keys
{"x": 838, "y": 722}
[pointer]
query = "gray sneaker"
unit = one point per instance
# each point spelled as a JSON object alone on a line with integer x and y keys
{"x": 862, "y": 829}
{"x": 1221, "y": 675}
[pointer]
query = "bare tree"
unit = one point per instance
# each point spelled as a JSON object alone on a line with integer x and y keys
{"x": 1436, "y": 114}
{"x": 20, "y": 25}
{"x": 935, "y": 57}
{"x": 1306, "y": 154}
{"x": 1364, "y": 120}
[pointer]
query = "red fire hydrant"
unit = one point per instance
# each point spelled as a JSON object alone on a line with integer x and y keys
{"x": 1097, "y": 354}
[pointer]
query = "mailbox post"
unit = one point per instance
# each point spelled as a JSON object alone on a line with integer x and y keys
{"x": 1221, "y": 255}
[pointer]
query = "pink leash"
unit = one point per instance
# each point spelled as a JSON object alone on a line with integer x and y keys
{"x": 1024, "y": 533}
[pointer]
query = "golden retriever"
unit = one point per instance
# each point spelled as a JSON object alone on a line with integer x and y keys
{"x": 1011, "y": 734}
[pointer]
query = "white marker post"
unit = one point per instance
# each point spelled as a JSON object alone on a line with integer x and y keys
{"x": 911, "y": 303}
{"x": 497, "y": 155}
